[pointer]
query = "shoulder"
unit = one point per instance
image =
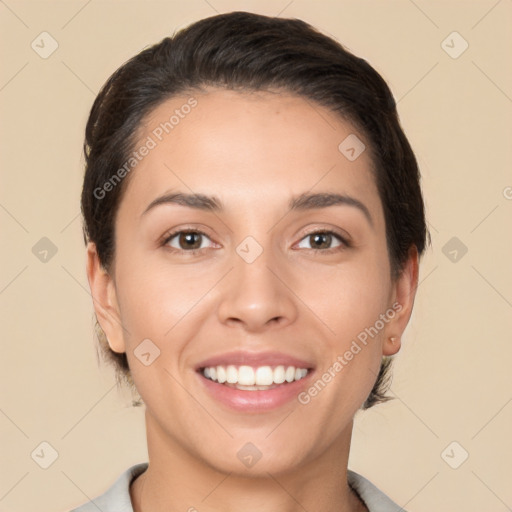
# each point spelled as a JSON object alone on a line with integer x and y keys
{"x": 117, "y": 497}
{"x": 373, "y": 497}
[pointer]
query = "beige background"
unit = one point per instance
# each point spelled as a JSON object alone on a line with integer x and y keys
{"x": 452, "y": 378}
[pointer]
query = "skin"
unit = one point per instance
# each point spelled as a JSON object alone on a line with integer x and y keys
{"x": 253, "y": 152}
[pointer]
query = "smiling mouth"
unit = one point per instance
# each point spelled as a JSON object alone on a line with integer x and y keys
{"x": 247, "y": 378}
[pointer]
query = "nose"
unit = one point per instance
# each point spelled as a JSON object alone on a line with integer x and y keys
{"x": 256, "y": 296}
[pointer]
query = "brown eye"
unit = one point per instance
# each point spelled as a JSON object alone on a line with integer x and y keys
{"x": 322, "y": 240}
{"x": 187, "y": 240}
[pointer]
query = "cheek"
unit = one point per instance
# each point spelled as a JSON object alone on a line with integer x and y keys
{"x": 348, "y": 298}
{"x": 162, "y": 308}
{"x": 154, "y": 297}
{"x": 350, "y": 307}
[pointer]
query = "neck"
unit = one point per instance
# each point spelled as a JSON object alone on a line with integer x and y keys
{"x": 176, "y": 480}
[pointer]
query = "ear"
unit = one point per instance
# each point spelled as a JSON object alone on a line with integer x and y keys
{"x": 104, "y": 297}
{"x": 403, "y": 294}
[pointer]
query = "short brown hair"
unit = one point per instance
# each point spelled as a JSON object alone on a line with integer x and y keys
{"x": 250, "y": 52}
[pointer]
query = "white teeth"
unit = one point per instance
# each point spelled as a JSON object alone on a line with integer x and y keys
{"x": 231, "y": 375}
{"x": 300, "y": 373}
{"x": 249, "y": 378}
{"x": 290, "y": 374}
{"x": 264, "y": 376}
{"x": 279, "y": 375}
{"x": 221, "y": 374}
{"x": 246, "y": 376}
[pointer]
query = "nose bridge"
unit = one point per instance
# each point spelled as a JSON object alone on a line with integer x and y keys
{"x": 253, "y": 295}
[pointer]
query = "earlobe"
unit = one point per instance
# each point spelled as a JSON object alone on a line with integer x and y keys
{"x": 104, "y": 298}
{"x": 391, "y": 346}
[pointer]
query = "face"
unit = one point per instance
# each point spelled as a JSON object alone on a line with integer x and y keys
{"x": 251, "y": 287}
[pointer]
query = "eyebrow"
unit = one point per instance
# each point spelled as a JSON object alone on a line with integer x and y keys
{"x": 309, "y": 201}
{"x": 303, "y": 202}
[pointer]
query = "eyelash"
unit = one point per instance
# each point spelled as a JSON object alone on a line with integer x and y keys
{"x": 345, "y": 244}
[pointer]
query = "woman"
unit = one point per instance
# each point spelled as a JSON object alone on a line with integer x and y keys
{"x": 254, "y": 222}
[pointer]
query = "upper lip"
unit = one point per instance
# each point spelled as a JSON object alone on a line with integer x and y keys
{"x": 255, "y": 359}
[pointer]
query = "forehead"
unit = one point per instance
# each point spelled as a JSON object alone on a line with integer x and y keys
{"x": 258, "y": 146}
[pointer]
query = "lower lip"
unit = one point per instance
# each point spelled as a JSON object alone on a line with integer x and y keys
{"x": 255, "y": 401}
